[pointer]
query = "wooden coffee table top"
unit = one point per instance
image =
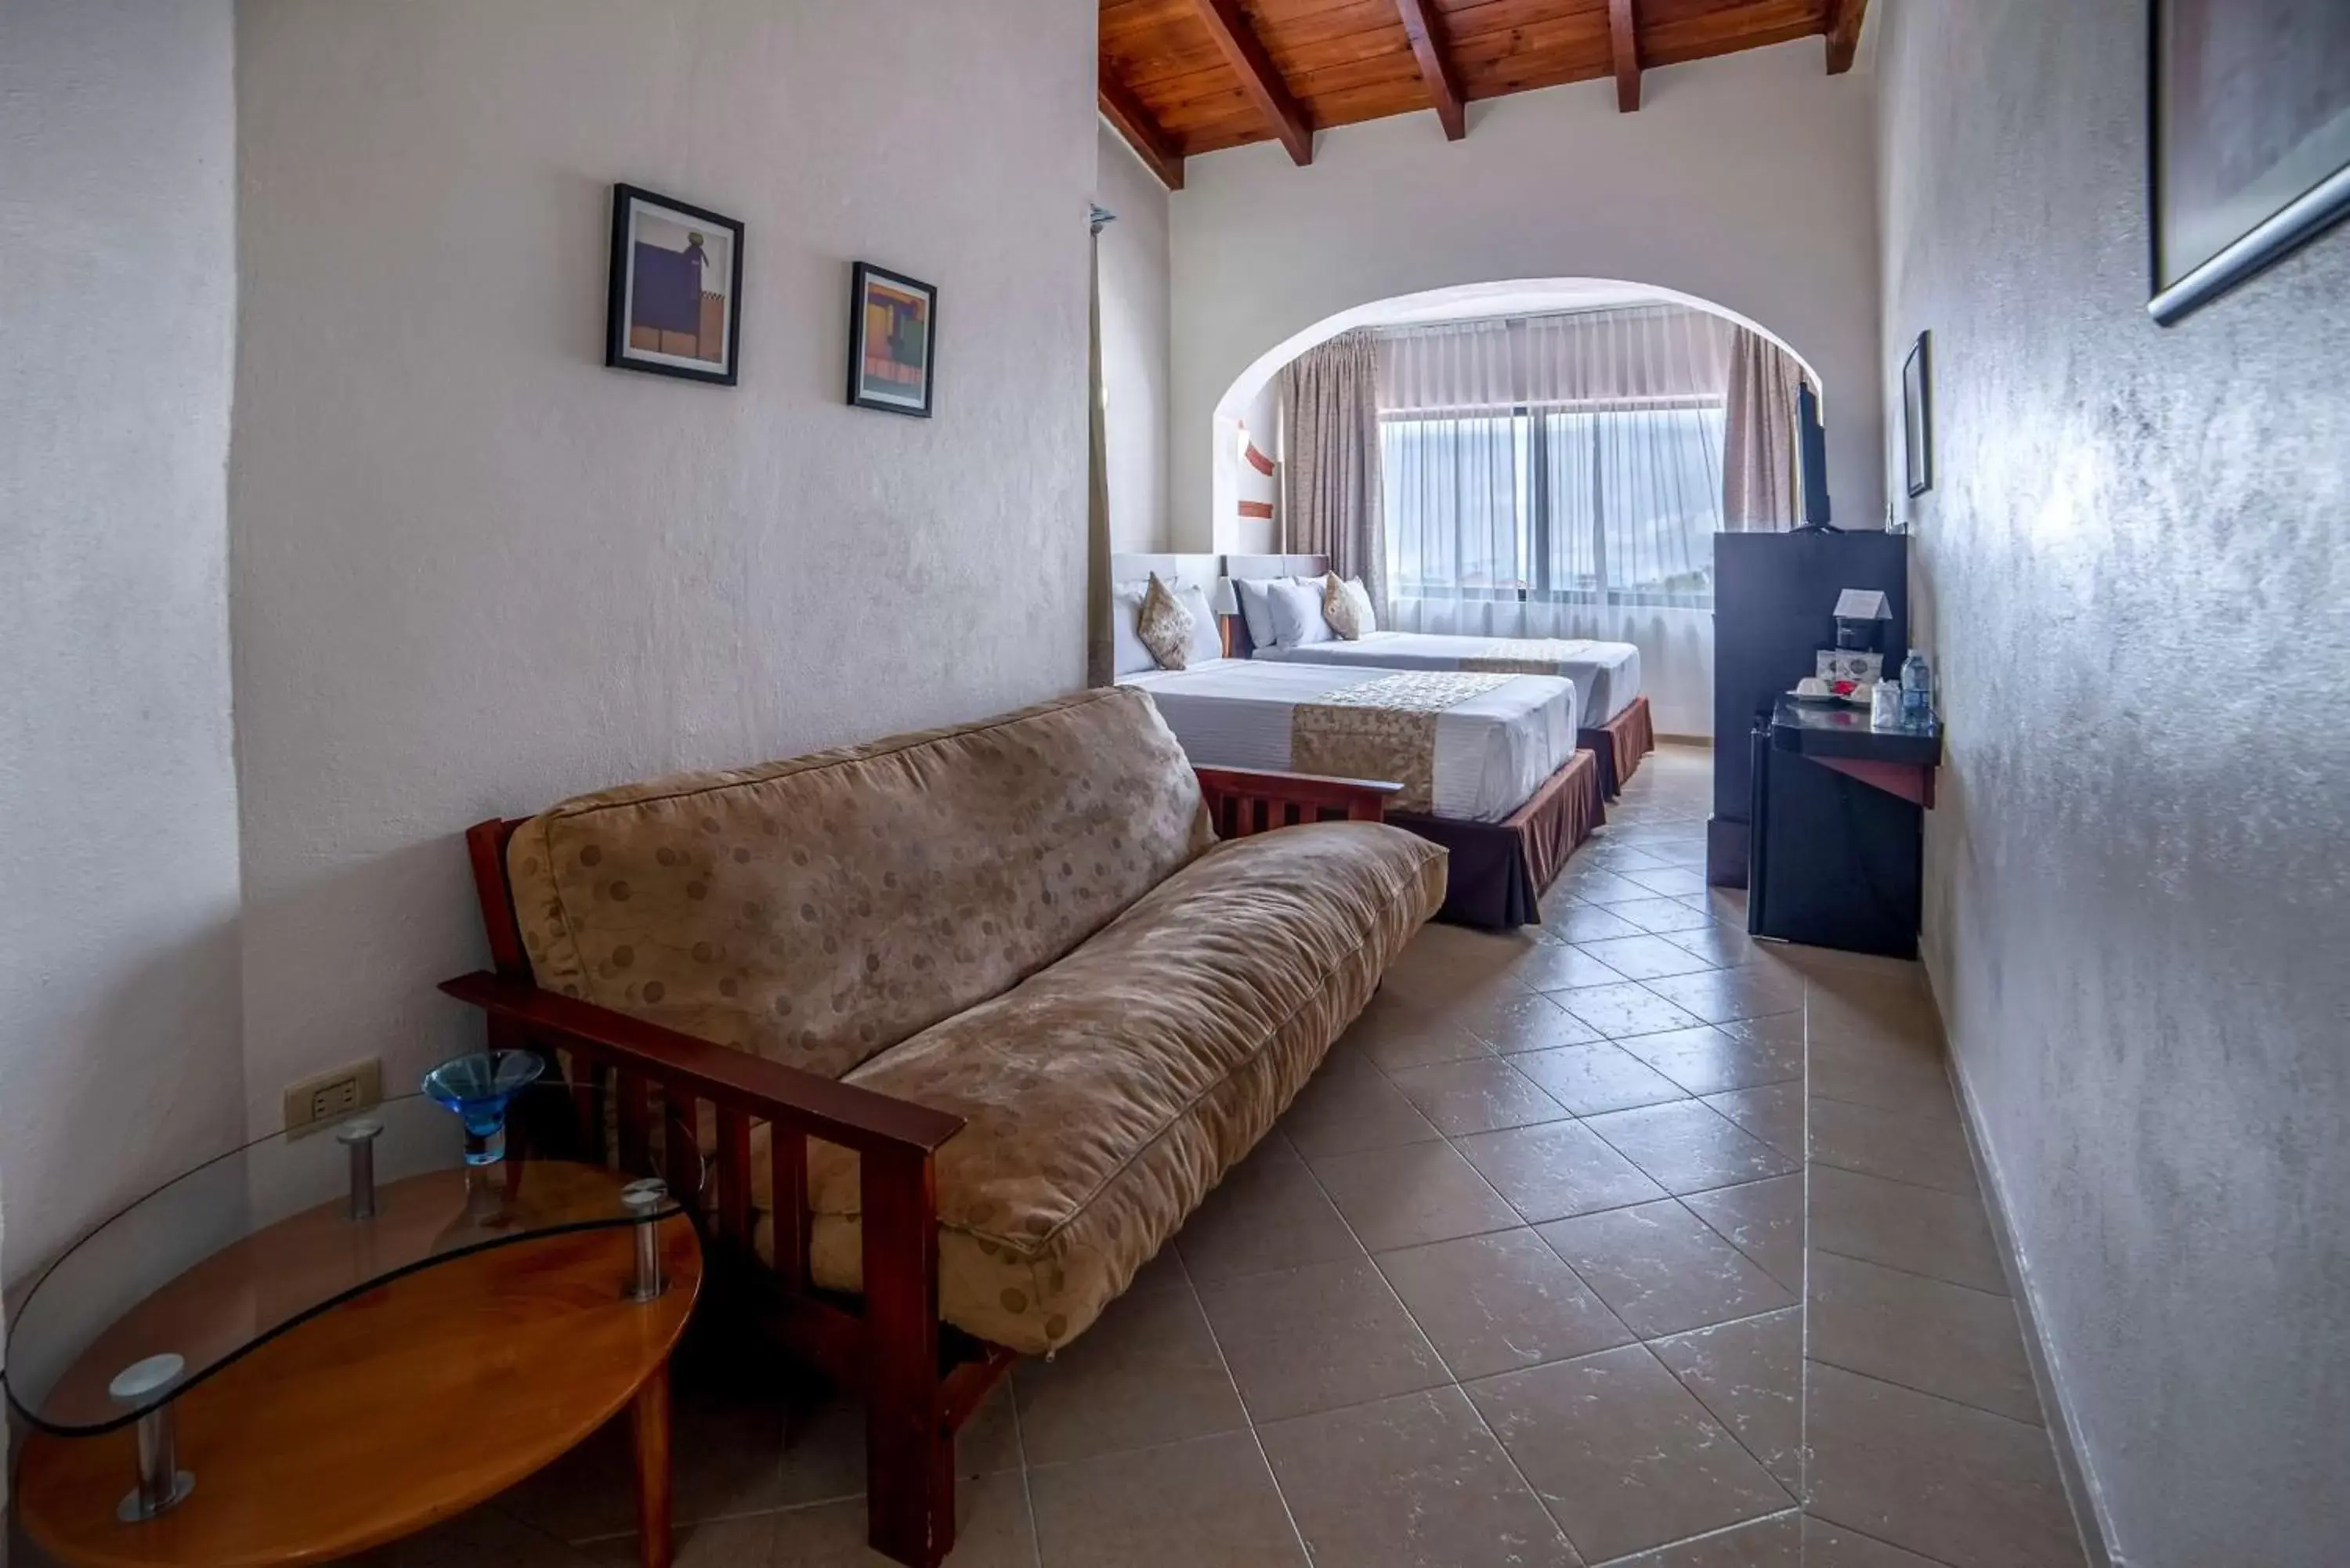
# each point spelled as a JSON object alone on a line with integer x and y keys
{"x": 388, "y": 1413}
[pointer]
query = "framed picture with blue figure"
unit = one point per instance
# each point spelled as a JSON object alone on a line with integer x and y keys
{"x": 893, "y": 324}
{"x": 676, "y": 291}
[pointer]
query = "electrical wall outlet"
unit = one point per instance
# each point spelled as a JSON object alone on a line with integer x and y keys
{"x": 333, "y": 1096}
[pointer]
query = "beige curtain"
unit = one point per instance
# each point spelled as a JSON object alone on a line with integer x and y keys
{"x": 1330, "y": 460}
{"x": 1101, "y": 658}
{"x": 1761, "y": 491}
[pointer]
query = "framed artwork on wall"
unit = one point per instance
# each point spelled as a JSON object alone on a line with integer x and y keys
{"x": 1918, "y": 414}
{"x": 675, "y": 305}
{"x": 2249, "y": 137}
{"x": 893, "y": 324}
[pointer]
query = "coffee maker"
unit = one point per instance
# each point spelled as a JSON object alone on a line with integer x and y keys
{"x": 1857, "y": 662}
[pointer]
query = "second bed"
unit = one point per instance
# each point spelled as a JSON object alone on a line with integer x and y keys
{"x": 1614, "y": 717}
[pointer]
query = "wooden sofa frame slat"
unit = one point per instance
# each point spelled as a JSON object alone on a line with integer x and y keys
{"x": 921, "y": 1381}
{"x": 1358, "y": 800}
{"x": 734, "y": 1176}
{"x": 787, "y": 1183}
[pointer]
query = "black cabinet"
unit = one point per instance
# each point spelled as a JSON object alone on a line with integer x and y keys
{"x": 1838, "y": 839}
{"x": 1774, "y": 609}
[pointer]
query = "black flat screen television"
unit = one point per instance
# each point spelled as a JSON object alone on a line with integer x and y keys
{"x": 1811, "y": 456}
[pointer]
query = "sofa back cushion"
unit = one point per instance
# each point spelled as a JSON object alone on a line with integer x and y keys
{"x": 818, "y": 911}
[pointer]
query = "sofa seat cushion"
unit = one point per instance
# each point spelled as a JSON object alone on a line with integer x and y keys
{"x": 818, "y": 911}
{"x": 1106, "y": 1095}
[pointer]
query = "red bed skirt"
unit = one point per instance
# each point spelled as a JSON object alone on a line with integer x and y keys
{"x": 1500, "y": 869}
{"x": 1619, "y": 745}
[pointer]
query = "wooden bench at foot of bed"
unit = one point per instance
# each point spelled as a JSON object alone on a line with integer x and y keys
{"x": 1619, "y": 745}
{"x": 1500, "y": 869}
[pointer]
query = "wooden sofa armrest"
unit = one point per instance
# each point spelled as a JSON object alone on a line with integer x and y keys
{"x": 1243, "y": 800}
{"x": 857, "y": 1118}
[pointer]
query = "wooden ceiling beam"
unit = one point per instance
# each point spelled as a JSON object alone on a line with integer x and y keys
{"x": 1623, "y": 43}
{"x": 1843, "y": 28}
{"x": 1259, "y": 77}
{"x": 1435, "y": 69}
{"x": 1341, "y": 62}
{"x": 1123, "y": 109}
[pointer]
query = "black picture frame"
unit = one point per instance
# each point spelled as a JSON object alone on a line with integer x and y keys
{"x": 1918, "y": 414}
{"x": 625, "y": 347}
{"x": 866, "y": 391}
{"x": 2198, "y": 251}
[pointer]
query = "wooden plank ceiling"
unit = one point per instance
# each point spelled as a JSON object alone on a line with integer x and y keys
{"x": 1185, "y": 76}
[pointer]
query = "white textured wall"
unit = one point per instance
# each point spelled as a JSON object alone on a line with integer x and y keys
{"x": 2132, "y": 569}
{"x": 1748, "y": 181}
{"x": 1134, "y": 262}
{"x": 118, "y": 1055}
{"x": 475, "y": 571}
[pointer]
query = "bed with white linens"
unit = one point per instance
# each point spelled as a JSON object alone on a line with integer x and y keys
{"x": 1493, "y": 749}
{"x": 1613, "y": 713}
{"x": 1487, "y": 762}
{"x": 1606, "y": 675}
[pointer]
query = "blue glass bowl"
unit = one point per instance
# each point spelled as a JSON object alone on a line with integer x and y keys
{"x": 479, "y": 1088}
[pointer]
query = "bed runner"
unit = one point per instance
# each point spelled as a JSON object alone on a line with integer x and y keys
{"x": 1529, "y": 655}
{"x": 1384, "y": 729}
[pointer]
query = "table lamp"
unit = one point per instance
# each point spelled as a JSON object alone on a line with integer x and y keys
{"x": 1225, "y": 602}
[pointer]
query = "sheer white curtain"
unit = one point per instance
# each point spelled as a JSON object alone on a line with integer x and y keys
{"x": 1561, "y": 476}
{"x": 1453, "y": 458}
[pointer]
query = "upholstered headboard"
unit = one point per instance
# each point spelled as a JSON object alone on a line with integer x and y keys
{"x": 1200, "y": 572}
{"x": 1176, "y": 571}
{"x": 1277, "y": 565}
{"x": 1254, "y": 567}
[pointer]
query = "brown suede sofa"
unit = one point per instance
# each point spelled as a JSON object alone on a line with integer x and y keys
{"x": 971, "y": 1021}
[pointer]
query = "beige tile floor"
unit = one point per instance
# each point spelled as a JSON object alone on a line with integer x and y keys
{"x": 1521, "y": 1278}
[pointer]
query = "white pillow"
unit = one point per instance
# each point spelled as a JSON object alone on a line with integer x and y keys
{"x": 1125, "y": 608}
{"x": 1256, "y": 608}
{"x": 1207, "y": 639}
{"x": 1298, "y": 615}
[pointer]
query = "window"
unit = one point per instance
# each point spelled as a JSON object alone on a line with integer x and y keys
{"x": 1630, "y": 505}
{"x": 1558, "y": 462}
{"x": 1573, "y": 505}
{"x": 1454, "y": 488}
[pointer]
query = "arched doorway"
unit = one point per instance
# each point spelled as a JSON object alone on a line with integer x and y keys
{"x": 1242, "y": 437}
{"x": 1672, "y": 629}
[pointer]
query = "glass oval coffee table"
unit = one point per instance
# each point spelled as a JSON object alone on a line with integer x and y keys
{"x": 314, "y": 1344}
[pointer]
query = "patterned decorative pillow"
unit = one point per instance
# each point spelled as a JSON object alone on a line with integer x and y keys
{"x": 1164, "y": 625}
{"x": 1346, "y": 606}
{"x": 1130, "y": 657}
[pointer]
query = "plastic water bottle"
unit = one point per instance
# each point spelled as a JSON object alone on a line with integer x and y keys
{"x": 1917, "y": 691}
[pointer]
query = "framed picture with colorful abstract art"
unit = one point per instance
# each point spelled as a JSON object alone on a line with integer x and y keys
{"x": 893, "y": 325}
{"x": 676, "y": 291}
